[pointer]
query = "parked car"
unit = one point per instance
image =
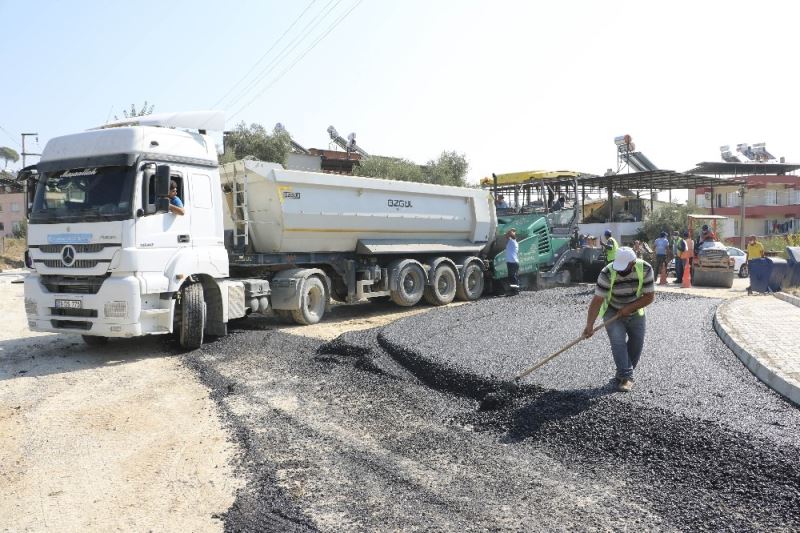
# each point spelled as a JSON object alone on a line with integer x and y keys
{"x": 740, "y": 261}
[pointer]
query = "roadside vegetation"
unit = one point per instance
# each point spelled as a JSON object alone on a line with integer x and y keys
{"x": 12, "y": 250}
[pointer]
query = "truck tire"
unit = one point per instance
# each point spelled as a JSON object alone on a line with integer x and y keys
{"x": 410, "y": 285}
{"x": 193, "y": 317}
{"x": 442, "y": 289}
{"x": 312, "y": 302}
{"x": 92, "y": 340}
{"x": 470, "y": 286}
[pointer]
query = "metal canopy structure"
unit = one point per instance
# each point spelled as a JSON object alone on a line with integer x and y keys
{"x": 721, "y": 168}
{"x": 650, "y": 180}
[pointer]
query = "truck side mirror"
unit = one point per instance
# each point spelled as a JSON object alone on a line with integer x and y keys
{"x": 162, "y": 181}
{"x": 162, "y": 205}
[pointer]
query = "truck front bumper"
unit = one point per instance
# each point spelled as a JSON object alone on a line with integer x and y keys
{"x": 118, "y": 309}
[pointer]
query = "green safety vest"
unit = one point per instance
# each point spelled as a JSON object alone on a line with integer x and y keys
{"x": 639, "y": 266}
{"x": 612, "y": 253}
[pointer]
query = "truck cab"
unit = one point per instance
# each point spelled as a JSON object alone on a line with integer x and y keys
{"x": 108, "y": 257}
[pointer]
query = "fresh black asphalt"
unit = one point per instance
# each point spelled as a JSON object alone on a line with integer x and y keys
{"x": 379, "y": 430}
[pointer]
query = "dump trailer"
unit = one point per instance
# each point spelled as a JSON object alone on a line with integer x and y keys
{"x": 111, "y": 257}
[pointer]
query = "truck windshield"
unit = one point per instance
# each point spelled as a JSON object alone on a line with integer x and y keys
{"x": 84, "y": 195}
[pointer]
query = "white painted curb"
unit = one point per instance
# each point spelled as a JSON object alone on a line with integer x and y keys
{"x": 764, "y": 373}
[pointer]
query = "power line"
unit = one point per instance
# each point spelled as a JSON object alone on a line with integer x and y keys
{"x": 309, "y": 49}
{"x": 292, "y": 25}
{"x": 10, "y": 136}
{"x": 287, "y": 50}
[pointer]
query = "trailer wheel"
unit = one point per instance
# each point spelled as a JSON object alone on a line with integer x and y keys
{"x": 443, "y": 286}
{"x": 92, "y": 340}
{"x": 410, "y": 285}
{"x": 193, "y": 316}
{"x": 470, "y": 286}
{"x": 312, "y": 302}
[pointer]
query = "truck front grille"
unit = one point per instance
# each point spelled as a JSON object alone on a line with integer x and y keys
{"x": 82, "y": 313}
{"x": 71, "y": 324}
{"x": 73, "y": 284}
{"x": 79, "y": 263}
{"x": 80, "y": 248}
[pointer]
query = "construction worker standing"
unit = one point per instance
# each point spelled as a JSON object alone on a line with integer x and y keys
{"x": 611, "y": 246}
{"x": 755, "y": 250}
{"x": 676, "y": 253}
{"x": 624, "y": 288}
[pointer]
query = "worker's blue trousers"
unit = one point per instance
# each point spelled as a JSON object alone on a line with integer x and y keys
{"x": 627, "y": 339}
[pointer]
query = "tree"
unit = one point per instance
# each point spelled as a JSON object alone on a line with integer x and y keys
{"x": 254, "y": 141}
{"x": 449, "y": 169}
{"x": 669, "y": 218}
{"x": 8, "y": 154}
{"x": 390, "y": 168}
{"x": 144, "y": 110}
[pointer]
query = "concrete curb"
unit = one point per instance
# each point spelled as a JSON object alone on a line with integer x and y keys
{"x": 764, "y": 373}
{"x": 788, "y": 298}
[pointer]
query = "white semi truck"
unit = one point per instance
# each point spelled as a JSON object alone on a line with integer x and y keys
{"x": 109, "y": 258}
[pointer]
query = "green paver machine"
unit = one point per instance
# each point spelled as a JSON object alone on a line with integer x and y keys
{"x": 544, "y": 230}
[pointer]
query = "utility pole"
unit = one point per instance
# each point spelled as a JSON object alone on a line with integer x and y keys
{"x": 742, "y": 192}
{"x": 25, "y": 184}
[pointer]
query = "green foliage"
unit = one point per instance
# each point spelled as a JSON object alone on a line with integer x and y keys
{"x": 144, "y": 110}
{"x": 254, "y": 141}
{"x": 668, "y": 218}
{"x": 389, "y": 168}
{"x": 20, "y": 230}
{"x": 449, "y": 169}
{"x": 8, "y": 154}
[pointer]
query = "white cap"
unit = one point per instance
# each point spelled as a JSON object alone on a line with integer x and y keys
{"x": 624, "y": 257}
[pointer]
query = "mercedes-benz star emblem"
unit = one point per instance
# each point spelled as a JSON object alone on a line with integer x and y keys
{"x": 68, "y": 255}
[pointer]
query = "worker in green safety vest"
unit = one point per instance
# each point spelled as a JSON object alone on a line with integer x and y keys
{"x": 611, "y": 246}
{"x": 624, "y": 288}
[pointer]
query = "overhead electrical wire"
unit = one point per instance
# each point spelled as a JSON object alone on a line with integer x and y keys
{"x": 286, "y": 51}
{"x": 298, "y": 59}
{"x": 278, "y": 40}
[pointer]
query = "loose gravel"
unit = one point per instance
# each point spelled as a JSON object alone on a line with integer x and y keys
{"x": 378, "y": 429}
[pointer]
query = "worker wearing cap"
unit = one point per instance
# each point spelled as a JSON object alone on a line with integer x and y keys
{"x": 755, "y": 250}
{"x": 512, "y": 260}
{"x": 624, "y": 288}
{"x": 610, "y": 245}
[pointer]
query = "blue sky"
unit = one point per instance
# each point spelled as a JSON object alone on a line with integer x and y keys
{"x": 514, "y": 85}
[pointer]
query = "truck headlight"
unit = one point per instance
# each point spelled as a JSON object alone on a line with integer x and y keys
{"x": 30, "y": 306}
{"x": 116, "y": 309}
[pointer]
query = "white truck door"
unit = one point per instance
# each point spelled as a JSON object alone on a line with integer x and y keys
{"x": 165, "y": 230}
{"x": 204, "y": 221}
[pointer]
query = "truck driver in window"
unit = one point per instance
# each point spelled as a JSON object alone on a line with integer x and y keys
{"x": 175, "y": 204}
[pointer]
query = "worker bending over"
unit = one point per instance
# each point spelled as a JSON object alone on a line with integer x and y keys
{"x": 624, "y": 288}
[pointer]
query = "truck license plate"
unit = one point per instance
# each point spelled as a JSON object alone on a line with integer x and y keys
{"x": 68, "y": 304}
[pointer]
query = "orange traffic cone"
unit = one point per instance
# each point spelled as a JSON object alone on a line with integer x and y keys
{"x": 687, "y": 279}
{"x": 662, "y": 280}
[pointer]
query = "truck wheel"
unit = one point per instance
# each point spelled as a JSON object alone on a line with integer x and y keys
{"x": 443, "y": 286}
{"x": 312, "y": 302}
{"x": 410, "y": 285}
{"x": 92, "y": 340}
{"x": 470, "y": 286}
{"x": 193, "y": 316}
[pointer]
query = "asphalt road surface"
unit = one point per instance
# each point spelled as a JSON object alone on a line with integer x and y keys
{"x": 379, "y": 429}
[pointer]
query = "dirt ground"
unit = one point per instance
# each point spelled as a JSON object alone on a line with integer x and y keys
{"x": 118, "y": 437}
{"x": 124, "y": 436}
